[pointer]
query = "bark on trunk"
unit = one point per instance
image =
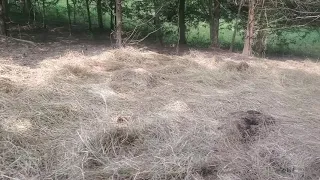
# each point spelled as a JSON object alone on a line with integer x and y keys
{"x": 111, "y": 5}
{"x": 260, "y": 46}
{"x": 119, "y": 23}
{"x": 99, "y": 12}
{"x": 216, "y": 23}
{"x": 3, "y": 28}
{"x": 211, "y": 20}
{"x": 247, "y": 50}
{"x": 89, "y": 15}
{"x": 182, "y": 23}
{"x": 28, "y": 8}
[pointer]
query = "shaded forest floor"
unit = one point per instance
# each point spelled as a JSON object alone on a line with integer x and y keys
{"x": 72, "y": 109}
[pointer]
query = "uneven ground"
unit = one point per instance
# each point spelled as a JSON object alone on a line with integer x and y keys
{"x": 73, "y": 111}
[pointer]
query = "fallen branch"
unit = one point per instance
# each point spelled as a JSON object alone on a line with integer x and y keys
{"x": 20, "y": 40}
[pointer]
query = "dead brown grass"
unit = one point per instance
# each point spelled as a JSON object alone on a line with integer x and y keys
{"x": 130, "y": 114}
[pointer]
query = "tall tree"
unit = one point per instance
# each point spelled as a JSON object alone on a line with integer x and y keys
{"x": 248, "y": 43}
{"x": 3, "y": 28}
{"x": 182, "y": 22}
{"x": 235, "y": 27}
{"x": 99, "y": 12}
{"x": 23, "y": 6}
{"x": 74, "y": 2}
{"x": 69, "y": 16}
{"x": 89, "y": 15}
{"x": 214, "y": 10}
{"x": 112, "y": 10}
{"x": 260, "y": 43}
{"x": 119, "y": 23}
{"x": 28, "y": 7}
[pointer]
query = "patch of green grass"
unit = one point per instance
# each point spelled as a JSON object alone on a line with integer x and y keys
{"x": 300, "y": 42}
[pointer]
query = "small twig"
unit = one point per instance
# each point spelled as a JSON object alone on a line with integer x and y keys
{"x": 138, "y": 41}
{"x": 141, "y": 24}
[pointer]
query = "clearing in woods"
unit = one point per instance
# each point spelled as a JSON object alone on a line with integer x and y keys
{"x": 79, "y": 111}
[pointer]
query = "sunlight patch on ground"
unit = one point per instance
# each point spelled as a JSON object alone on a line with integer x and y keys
{"x": 16, "y": 125}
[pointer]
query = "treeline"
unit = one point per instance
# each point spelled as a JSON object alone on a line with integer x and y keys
{"x": 259, "y": 18}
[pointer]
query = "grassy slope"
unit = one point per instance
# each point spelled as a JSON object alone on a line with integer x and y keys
{"x": 125, "y": 114}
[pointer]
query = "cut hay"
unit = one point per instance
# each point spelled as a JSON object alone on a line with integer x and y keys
{"x": 233, "y": 66}
{"x": 7, "y": 86}
{"x": 131, "y": 114}
{"x": 133, "y": 80}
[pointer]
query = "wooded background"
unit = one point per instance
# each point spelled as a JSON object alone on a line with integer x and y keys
{"x": 255, "y": 27}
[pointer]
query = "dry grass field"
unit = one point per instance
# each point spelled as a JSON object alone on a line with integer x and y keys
{"x": 138, "y": 114}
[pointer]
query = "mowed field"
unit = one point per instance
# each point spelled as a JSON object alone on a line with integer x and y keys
{"x": 75, "y": 112}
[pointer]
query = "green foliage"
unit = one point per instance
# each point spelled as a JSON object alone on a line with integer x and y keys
{"x": 139, "y": 16}
{"x": 297, "y": 42}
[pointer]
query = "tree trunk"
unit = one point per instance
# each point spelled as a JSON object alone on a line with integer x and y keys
{"x": 182, "y": 23}
{"x": 112, "y": 9}
{"x": 157, "y": 22}
{"x": 3, "y": 28}
{"x": 6, "y": 10}
{"x": 235, "y": 27}
{"x": 260, "y": 44}
{"x": 119, "y": 23}
{"x": 114, "y": 14}
{"x": 28, "y": 8}
{"x": 89, "y": 15}
{"x": 211, "y": 22}
{"x": 247, "y": 49}
{"x": 34, "y": 12}
{"x": 99, "y": 12}
{"x": 69, "y": 16}
{"x": 74, "y": 2}
{"x": 215, "y": 23}
{"x": 23, "y": 7}
{"x": 44, "y": 15}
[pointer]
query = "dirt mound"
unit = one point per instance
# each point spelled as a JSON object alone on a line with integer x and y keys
{"x": 252, "y": 124}
{"x": 133, "y": 80}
